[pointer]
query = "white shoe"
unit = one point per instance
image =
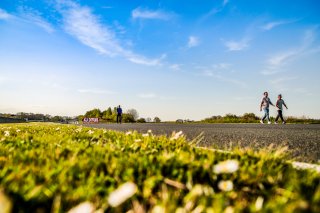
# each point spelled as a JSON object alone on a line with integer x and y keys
{"x": 261, "y": 121}
{"x": 269, "y": 122}
{"x": 275, "y": 122}
{"x": 283, "y": 122}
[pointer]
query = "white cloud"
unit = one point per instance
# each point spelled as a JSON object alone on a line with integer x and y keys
{"x": 281, "y": 58}
{"x": 137, "y": 59}
{"x": 4, "y": 15}
{"x": 30, "y": 16}
{"x": 222, "y": 66}
{"x": 81, "y": 23}
{"x": 210, "y": 73}
{"x": 140, "y": 13}
{"x": 278, "y": 61}
{"x": 193, "y": 41}
{"x": 147, "y": 95}
{"x": 237, "y": 45}
{"x": 273, "y": 24}
{"x": 279, "y": 81}
{"x": 214, "y": 11}
{"x": 175, "y": 67}
{"x": 96, "y": 91}
{"x": 35, "y": 17}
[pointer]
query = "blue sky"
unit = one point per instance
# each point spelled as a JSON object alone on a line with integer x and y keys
{"x": 171, "y": 59}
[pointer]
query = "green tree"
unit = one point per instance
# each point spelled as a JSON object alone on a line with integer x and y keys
{"x": 156, "y": 120}
{"x": 249, "y": 117}
{"x": 107, "y": 114}
{"x": 127, "y": 118}
{"x": 95, "y": 113}
{"x": 134, "y": 113}
{"x": 141, "y": 120}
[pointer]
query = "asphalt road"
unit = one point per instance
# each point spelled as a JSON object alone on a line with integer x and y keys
{"x": 302, "y": 140}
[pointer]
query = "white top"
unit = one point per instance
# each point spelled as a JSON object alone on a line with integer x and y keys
{"x": 265, "y": 102}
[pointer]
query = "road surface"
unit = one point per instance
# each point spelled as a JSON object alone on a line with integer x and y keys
{"x": 302, "y": 140}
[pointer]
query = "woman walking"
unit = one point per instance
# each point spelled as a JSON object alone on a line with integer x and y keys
{"x": 279, "y": 104}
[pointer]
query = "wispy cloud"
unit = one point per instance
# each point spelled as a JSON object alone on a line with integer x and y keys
{"x": 273, "y": 24}
{"x": 138, "y": 59}
{"x": 213, "y": 74}
{"x": 34, "y": 17}
{"x": 237, "y": 45}
{"x": 147, "y": 95}
{"x": 282, "y": 84}
{"x": 143, "y": 13}
{"x": 80, "y": 22}
{"x": 96, "y": 91}
{"x": 225, "y": 2}
{"x": 4, "y": 15}
{"x": 30, "y": 16}
{"x": 222, "y": 66}
{"x": 193, "y": 41}
{"x": 214, "y": 11}
{"x": 278, "y": 61}
{"x": 278, "y": 81}
{"x": 175, "y": 67}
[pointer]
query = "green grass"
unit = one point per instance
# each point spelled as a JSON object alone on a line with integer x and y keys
{"x": 49, "y": 167}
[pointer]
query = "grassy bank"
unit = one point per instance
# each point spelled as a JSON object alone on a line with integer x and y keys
{"x": 47, "y": 167}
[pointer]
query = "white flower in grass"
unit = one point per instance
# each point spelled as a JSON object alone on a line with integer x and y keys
{"x": 259, "y": 203}
{"x": 5, "y": 203}
{"x": 58, "y": 129}
{"x": 158, "y": 209}
{"x": 177, "y": 135}
{"x": 145, "y": 135}
{"x": 128, "y": 133}
{"x": 137, "y": 140}
{"x": 7, "y": 133}
{"x": 225, "y": 186}
{"x": 150, "y": 131}
{"x": 85, "y": 207}
{"x": 229, "y": 209}
{"x": 18, "y": 130}
{"x": 79, "y": 130}
{"x": 104, "y": 131}
{"x": 122, "y": 193}
{"x": 228, "y": 166}
{"x": 90, "y": 132}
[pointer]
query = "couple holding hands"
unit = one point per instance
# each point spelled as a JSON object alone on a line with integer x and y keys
{"x": 266, "y": 102}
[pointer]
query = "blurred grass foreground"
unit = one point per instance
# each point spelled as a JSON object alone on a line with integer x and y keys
{"x": 65, "y": 168}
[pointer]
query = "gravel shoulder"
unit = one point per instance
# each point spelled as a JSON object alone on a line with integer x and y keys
{"x": 302, "y": 140}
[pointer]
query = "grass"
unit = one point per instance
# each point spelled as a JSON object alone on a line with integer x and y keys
{"x": 54, "y": 168}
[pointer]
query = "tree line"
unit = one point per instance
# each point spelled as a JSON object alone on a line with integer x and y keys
{"x": 36, "y": 117}
{"x": 110, "y": 115}
{"x": 252, "y": 118}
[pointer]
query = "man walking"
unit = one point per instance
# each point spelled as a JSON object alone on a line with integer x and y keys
{"x": 279, "y": 104}
{"x": 265, "y": 103}
{"x": 119, "y": 114}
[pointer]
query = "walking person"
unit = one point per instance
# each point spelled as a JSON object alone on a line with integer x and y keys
{"x": 265, "y": 103}
{"x": 279, "y": 104}
{"x": 119, "y": 114}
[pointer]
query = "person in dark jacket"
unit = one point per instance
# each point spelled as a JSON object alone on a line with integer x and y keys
{"x": 119, "y": 114}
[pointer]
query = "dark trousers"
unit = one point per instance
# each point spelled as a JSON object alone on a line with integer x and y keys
{"x": 279, "y": 116}
{"x": 119, "y": 118}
